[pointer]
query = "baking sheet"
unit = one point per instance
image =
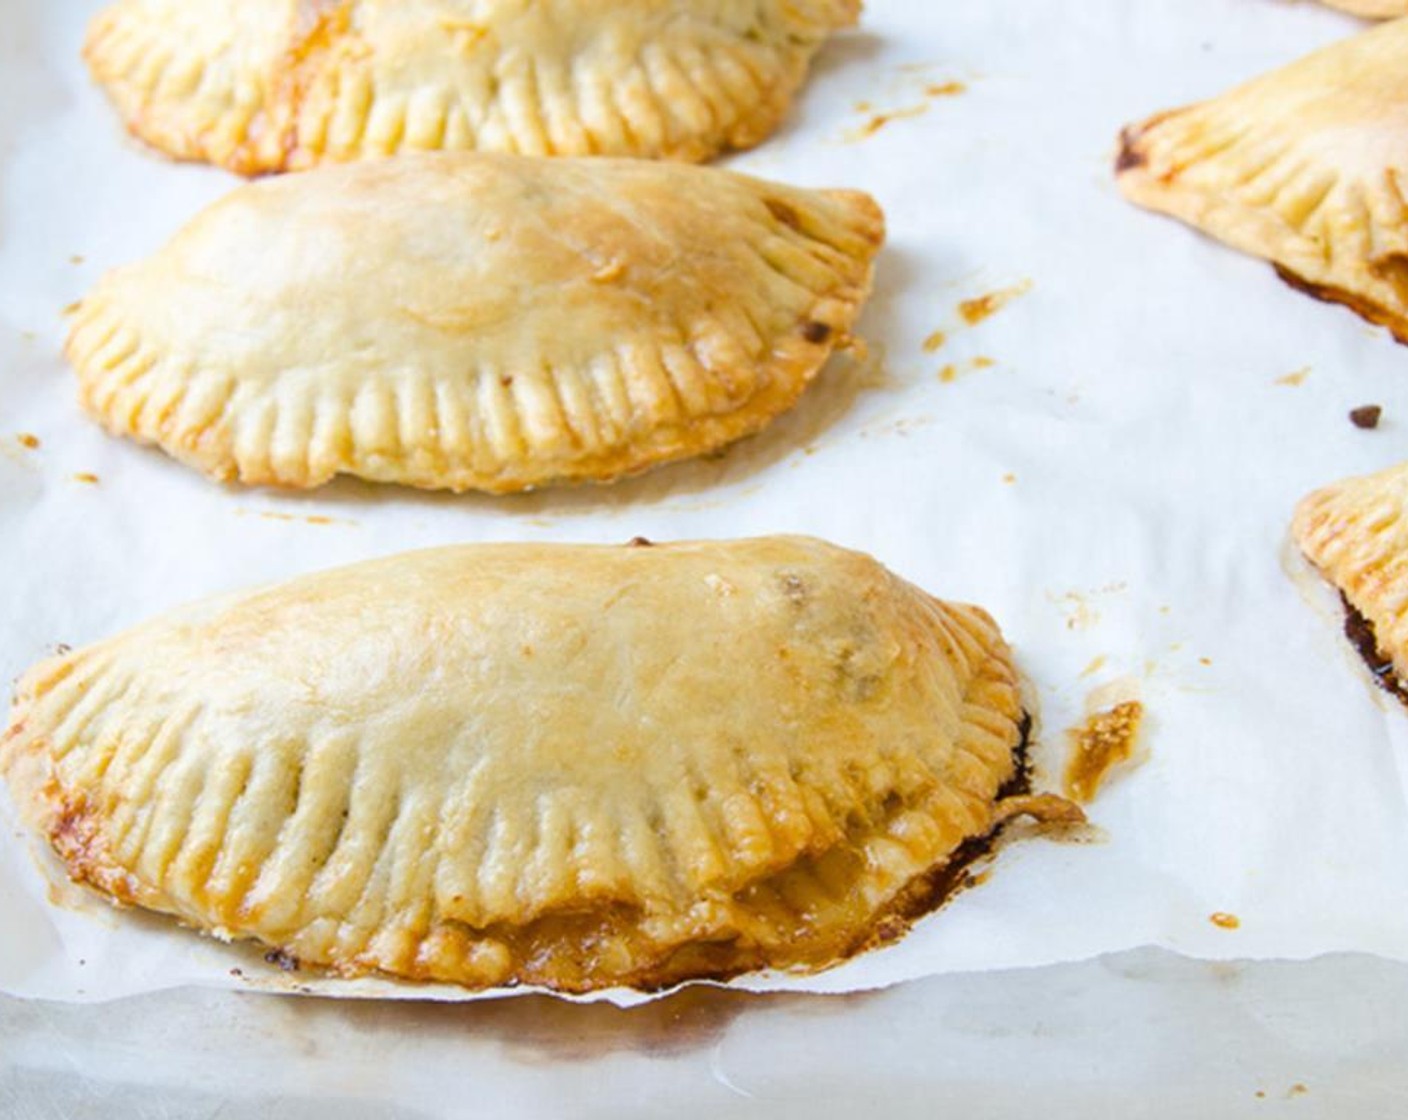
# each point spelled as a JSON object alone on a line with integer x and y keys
{"x": 1107, "y": 462}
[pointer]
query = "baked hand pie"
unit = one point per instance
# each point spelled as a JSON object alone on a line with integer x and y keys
{"x": 277, "y": 85}
{"x": 1373, "y": 9}
{"x": 574, "y": 766}
{"x": 473, "y": 321}
{"x": 1302, "y": 167}
{"x": 1356, "y": 533}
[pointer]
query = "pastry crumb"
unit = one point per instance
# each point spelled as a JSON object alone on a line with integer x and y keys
{"x": 1294, "y": 378}
{"x": 1106, "y": 739}
{"x": 87, "y": 477}
{"x": 1366, "y": 416}
{"x": 1223, "y": 920}
{"x": 934, "y": 341}
{"x": 945, "y": 89}
{"x": 28, "y": 441}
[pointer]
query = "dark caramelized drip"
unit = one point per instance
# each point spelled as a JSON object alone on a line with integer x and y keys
{"x": 1360, "y": 632}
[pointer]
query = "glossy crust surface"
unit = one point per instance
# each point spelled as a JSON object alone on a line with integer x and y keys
{"x": 573, "y": 766}
{"x": 1305, "y": 167}
{"x": 475, "y": 321}
{"x": 277, "y": 85}
{"x": 1356, "y": 533}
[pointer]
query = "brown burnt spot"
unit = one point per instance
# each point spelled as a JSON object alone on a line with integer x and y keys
{"x": 1130, "y": 155}
{"x": 1360, "y": 632}
{"x": 815, "y": 333}
{"x": 283, "y": 959}
{"x": 1366, "y": 416}
{"x": 28, "y": 441}
{"x": 975, "y": 310}
{"x": 784, "y": 213}
{"x": 945, "y": 89}
{"x": 934, "y": 342}
{"x": 506, "y": 380}
{"x": 1294, "y": 379}
{"x": 640, "y": 542}
{"x": 1377, "y": 314}
{"x": 237, "y": 973}
{"x": 1223, "y": 920}
{"x": 1299, "y": 1089}
{"x": 88, "y": 478}
{"x": 1104, "y": 740}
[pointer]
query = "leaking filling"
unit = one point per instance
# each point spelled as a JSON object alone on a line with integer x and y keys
{"x": 1360, "y": 632}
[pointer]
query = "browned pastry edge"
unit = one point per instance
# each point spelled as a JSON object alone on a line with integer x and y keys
{"x": 1375, "y": 313}
{"x": 72, "y": 836}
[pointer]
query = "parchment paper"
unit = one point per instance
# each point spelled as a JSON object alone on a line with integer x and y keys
{"x": 1107, "y": 462}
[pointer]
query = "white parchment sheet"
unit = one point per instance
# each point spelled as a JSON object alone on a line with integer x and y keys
{"x": 1107, "y": 463}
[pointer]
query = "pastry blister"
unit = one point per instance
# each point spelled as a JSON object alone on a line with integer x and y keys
{"x": 276, "y": 85}
{"x": 571, "y": 766}
{"x": 473, "y": 321}
{"x": 1304, "y": 167}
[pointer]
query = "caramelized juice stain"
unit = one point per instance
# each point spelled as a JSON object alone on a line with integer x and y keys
{"x": 974, "y": 311}
{"x": 1360, "y": 632}
{"x": 1106, "y": 739}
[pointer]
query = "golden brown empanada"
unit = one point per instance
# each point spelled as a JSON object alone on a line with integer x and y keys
{"x": 475, "y": 321}
{"x": 565, "y": 765}
{"x": 1373, "y": 9}
{"x": 274, "y": 85}
{"x": 1356, "y": 533}
{"x": 1305, "y": 167}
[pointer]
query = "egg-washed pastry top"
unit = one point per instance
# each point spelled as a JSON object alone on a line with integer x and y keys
{"x": 1356, "y": 533}
{"x": 472, "y": 321}
{"x": 572, "y": 766}
{"x": 1305, "y": 167}
{"x": 277, "y": 85}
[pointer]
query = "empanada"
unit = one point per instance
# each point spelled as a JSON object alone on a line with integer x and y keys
{"x": 1356, "y": 533}
{"x": 573, "y": 766}
{"x": 474, "y": 321}
{"x": 1372, "y": 9}
{"x": 1304, "y": 167}
{"x": 274, "y": 85}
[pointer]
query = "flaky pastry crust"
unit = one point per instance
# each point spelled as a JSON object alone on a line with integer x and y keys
{"x": 277, "y": 85}
{"x": 471, "y": 321}
{"x": 1304, "y": 167}
{"x": 572, "y": 766}
{"x": 1356, "y": 533}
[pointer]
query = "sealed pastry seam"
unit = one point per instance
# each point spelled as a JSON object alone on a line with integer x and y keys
{"x": 1303, "y": 167}
{"x": 475, "y": 322}
{"x": 275, "y": 85}
{"x": 752, "y": 759}
{"x": 1356, "y": 533}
